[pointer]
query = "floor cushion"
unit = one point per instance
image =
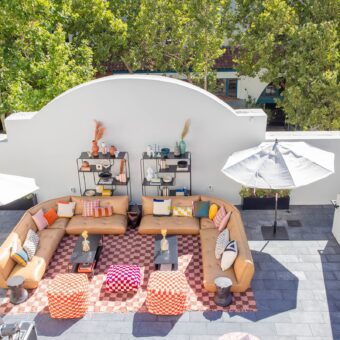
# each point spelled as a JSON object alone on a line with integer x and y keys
{"x": 123, "y": 278}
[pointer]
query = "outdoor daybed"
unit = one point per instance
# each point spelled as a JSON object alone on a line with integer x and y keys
{"x": 242, "y": 271}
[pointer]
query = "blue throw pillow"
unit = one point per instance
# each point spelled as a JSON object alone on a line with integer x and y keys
{"x": 201, "y": 209}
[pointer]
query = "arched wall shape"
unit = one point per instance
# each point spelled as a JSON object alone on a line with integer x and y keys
{"x": 136, "y": 110}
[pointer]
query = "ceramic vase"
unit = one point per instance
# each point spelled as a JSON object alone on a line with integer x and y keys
{"x": 177, "y": 152}
{"x": 182, "y": 147}
{"x": 112, "y": 150}
{"x": 95, "y": 149}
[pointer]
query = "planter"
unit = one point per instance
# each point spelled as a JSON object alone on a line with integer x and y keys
{"x": 265, "y": 203}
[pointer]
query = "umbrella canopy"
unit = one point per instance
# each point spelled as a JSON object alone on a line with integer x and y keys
{"x": 14, "y": 187}
{"x": 279, "y": 165}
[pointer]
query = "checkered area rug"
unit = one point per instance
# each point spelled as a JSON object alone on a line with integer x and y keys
{"x": 130, "y": 248}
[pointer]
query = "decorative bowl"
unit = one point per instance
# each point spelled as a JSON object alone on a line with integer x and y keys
{"x": 105, "y": 174}
{"x": 167, "y": 179}
{"x": 165, "y": 152}
{"x": 90, "y": 192}
{"x": 182, "y": 164}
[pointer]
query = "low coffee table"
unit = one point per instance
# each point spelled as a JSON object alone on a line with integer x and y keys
{"x": 166, "y": 257}
{"x": 79, "y": 256}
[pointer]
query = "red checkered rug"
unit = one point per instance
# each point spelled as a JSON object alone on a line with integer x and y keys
{"x": 130, "y": 248}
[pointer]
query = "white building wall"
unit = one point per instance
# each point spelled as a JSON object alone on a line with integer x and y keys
{"x": 138, "y": 110}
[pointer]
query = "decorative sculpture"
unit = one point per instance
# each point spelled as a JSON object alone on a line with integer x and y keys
{"x": 164, "y": 242}
{"x": 86, "y": 242}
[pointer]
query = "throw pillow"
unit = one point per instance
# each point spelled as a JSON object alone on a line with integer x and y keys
{"x": 88, "y": 207}
{"x": 219, "y": 217}
{"x": 40, "y": 220}
{"x": 20, "y": 257}
{"x": 229, "y": 255}
{"x": 31, "y": 243}
{"x": 213, "y": 211}
{"x": 161, "y": 207}
{"x": 221, "y": 242}
{"x": 66, "y": 209}
{"x": 182, "y": 211}
{"x": 51, "y": 216}
{"x": 224, "y": 222}
{"x": 102, "y": 211}
{"x": 201, "y": 209}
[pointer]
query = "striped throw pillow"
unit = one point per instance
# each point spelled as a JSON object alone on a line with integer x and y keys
{"x": 88, "y": 207}
{"x": 182, "y": 211}
{"x": 219, "y": 217}
{"x": 102, "y": 211}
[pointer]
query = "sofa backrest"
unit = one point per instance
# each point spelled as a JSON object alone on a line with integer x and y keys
{"x": 18, "y": 234}
{"x": 120, "y": 204}
{"x": 46, "y": 205}
{"x": 181, "y": 201}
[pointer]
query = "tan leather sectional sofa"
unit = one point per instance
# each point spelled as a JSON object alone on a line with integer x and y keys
{"x": 242, "y": 271}
{"x": 52, "y": 235}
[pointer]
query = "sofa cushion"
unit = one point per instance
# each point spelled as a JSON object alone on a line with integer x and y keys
{"x": 60, "y": 223}
{"x": 115, "y": 224}
{"x": 119, "y": 204}
{"x": 206, "y": 223}
{"x": 211, "y": 266}
{"x": 178, "y": 201}
{"x": 35, "y": 269}
{"x": 174, "y": 225}
{"x": 48, "y": 204}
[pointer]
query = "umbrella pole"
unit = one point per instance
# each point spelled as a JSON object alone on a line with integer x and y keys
{"x": 275, "y": 221}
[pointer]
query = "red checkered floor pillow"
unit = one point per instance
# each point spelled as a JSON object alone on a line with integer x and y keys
{"x": 167, "y": 293}
{"x": 123, "y": 278}
{"x": 68, "y": 296}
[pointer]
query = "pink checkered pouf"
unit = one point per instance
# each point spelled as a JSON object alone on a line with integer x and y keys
{"x": 123, "y": 278}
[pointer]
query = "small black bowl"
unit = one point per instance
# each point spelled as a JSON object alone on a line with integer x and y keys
{"x": 182, "y": 164}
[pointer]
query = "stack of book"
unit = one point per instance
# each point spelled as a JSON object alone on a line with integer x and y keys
{"x": 86, "y": 267}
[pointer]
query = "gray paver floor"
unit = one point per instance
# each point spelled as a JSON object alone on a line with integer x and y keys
{"x": 296, "y": 285}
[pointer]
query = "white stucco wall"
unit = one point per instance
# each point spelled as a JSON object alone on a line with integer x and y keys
{"x": 138, "y": 110}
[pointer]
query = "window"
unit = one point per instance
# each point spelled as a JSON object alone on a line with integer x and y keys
{"x": 231, "y": 88}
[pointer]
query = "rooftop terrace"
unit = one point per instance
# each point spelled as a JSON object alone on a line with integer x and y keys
{"x": 296, "y": 287}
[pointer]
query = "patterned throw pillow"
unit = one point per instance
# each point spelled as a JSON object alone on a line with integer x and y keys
{"x": 213, "y": 211}
{"x": 102, "y": 211}
{"x": 31, "y": 243}
{"x": 221, "y": 242}
{"x": 66, "y": 209}
{"x": 201, "y": 209}
{"x": 51, "y": 216}
{"x": 161, "y": 207}
{"x": 219, "y": 217}
{"x": 88, "y": 207}
{"x": 40, "y": 220}
{"x": 182, "y": 211}
{"x": 229, "y": 255}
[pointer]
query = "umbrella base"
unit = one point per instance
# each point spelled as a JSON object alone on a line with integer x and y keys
{"x": 268, "y": 233}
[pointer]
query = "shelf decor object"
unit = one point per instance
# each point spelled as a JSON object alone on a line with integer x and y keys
{"x": 167, "y": 170}
{"x": 102, "y": 177}
{"x": 185, "y": 131}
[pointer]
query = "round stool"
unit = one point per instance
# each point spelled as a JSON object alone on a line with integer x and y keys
{"x": 223, "y": 296}
{"x": 16, "y": 286}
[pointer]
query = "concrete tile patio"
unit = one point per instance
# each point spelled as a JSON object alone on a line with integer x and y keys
{"x": 296, "y": 285}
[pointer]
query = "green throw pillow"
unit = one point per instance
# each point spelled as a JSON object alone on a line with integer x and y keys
{"x": 201, "y": 209}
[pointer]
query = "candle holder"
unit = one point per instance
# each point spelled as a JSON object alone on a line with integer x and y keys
{"x": 164, "y": 242}
{"x": 86, "y": 242}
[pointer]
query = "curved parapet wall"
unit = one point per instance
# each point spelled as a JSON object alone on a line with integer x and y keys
{"x": 136, "y": 110}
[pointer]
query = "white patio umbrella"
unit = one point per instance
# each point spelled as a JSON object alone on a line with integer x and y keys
{"x": 14, "y": 187}
{"x": 279, "y": 165}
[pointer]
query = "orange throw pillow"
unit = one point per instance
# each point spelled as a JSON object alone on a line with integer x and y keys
{"x": 51, "y": 216}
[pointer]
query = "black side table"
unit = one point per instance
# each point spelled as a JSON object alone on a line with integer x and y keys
{"x": 223, "y": 296}
{"x": 18, "y": 293}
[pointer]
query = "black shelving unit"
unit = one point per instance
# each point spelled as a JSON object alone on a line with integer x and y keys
{"x": 172, "y": 169}
{"x": 88, "y": 180}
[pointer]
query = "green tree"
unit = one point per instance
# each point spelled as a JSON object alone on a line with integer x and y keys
{"x": 296, "y": 41}
{"x": 180, "y": 35}
{"x": 36, "y": 61}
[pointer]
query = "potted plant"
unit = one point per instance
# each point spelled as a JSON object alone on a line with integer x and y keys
{"x": 262, "y": 199}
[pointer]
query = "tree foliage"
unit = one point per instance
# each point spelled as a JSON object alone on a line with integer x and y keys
{"x": 179, "y": 35}
{"x": 47, "y": 47}
{"x": 296, "y": 41}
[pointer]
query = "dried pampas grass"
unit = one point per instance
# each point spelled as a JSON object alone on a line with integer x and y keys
{"x": 99, "y": 131}
{"x": 185, "y": 130}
